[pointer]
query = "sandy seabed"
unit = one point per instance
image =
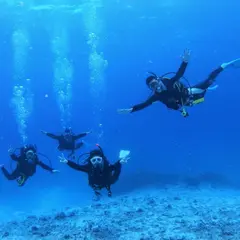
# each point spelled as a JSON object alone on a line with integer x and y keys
{"x": 151, "y": 214}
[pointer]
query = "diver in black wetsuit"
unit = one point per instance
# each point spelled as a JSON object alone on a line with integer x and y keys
{"x": 174, "y": 94}
{"x": 27, "y": 162}
{"x": 101, "y": 174}
{"x": 67, "y": 141}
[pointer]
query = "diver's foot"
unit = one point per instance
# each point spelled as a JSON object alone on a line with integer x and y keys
{"x": 235, "y": 64}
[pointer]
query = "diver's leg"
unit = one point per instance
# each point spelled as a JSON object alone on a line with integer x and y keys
{"x": 109, "y": 191}
{"x": 213, "y": 75}
{"x": 71, "y": 155}
{"x": 198, "y": 91}
{"x": 97, "y": 194}
{"x": 13, "y": 176}
{"x": 79, "y": 145}
{"x": 204, "y": 85}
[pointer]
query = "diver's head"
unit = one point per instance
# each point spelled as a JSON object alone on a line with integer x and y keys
{"x": 30, "y": 155}
{"x": 96, "y": 158}
{"x": 152, "y": 82}
{"x": 68, "y": 131}
{"x": 28, "y": 148}
{"x": 155, "y": 84}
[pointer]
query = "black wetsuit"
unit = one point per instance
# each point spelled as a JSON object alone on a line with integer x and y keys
{"x": 204, "y": 85}
{"x": 24, "y": 169}
{"x": 176, "y": 94}
{"x": 97, "y": 178}
{"x": 68, "y": 142}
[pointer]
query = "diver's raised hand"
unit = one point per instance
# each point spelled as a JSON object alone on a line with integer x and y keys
{"x": 44, "y": 132}
{"x": 62, "y": 159}
{"x": 186, "y": 55}
{"x": 89, "y": 132}
{"x": 124, "y": 111}
{"x": 124, "y": 160}
{"x": 11, "y": 151}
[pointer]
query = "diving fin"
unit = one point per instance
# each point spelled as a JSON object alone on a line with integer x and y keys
{"x": 235, "y": 64}
{"x": 124, "y": 153}
{"x": 213, "y": 87}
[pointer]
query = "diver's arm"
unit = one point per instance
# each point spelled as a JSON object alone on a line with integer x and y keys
{"x": 179, "y": 73}
{"x": 116, "y": 165}
{"x": 76, "y": 137}
{"x": 44, "y": 166}
{"x": 82, "y": 168}
{"x": 116, "y": 168}
{"x": 14, "y": 157}
{"x": 182, "y": 69}
{"x": 53, "y": 136}
{"x": 145, "y": 104}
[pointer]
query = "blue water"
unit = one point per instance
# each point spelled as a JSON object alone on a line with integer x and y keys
{"x": 134, "y": 37}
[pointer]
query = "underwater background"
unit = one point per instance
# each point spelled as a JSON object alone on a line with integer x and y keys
{"x": 74, "y": 63}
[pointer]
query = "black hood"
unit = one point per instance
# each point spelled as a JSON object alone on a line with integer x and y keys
{"x": 96, "y": 152}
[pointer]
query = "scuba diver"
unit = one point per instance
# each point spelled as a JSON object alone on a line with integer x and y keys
{"x": 27, "y": 162}
{"x": 67, "y": 140}
{"x": 101, "y": 174}
{"x": 175, "y": 94}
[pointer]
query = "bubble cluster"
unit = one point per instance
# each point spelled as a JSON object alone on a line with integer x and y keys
{"x": 22, "y": 96}
{"x": 96, "y": 62}
{"x": 63, "y": 72}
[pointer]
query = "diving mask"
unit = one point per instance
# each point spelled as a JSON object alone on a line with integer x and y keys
{"x": 96, "y": 161}
{"x": 30, "y": 154}
{"x": 157, "y": 85}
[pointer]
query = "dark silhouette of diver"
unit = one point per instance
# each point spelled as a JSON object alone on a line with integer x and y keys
{"x": 27, "y": 163}
{"x": 101, "y": 174}
{"x": 175, "y": 94}
{"x": 67, "y": 140}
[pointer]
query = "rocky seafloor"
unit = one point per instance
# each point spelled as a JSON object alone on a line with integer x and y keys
{"x": 161, "y": 214}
